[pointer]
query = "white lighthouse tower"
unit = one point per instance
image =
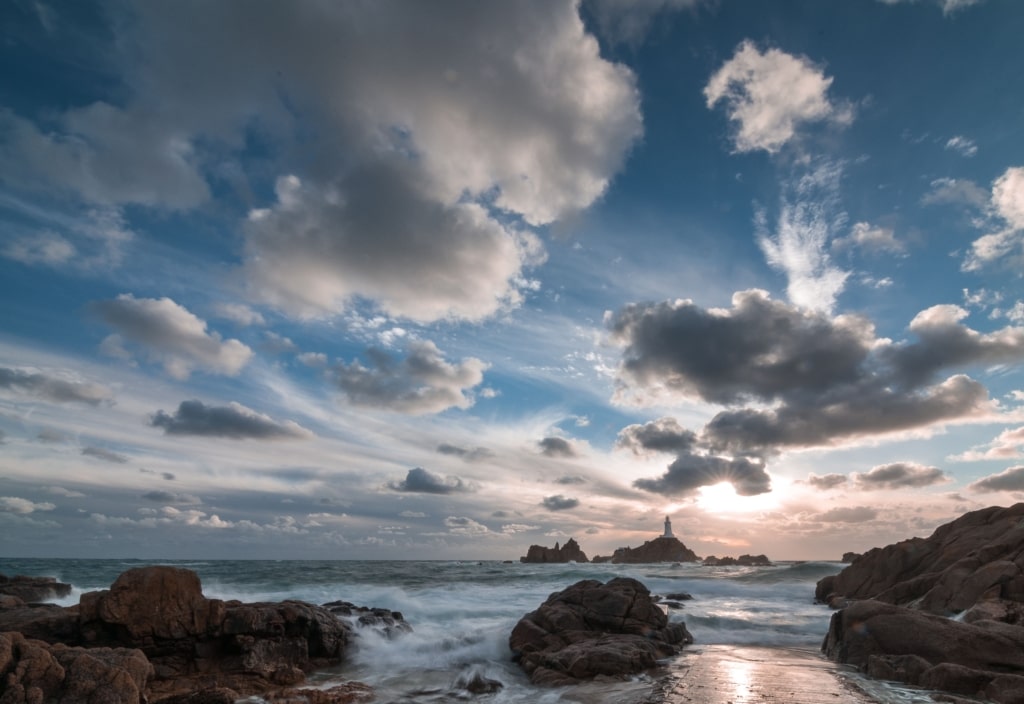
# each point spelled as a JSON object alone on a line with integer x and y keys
{"x": 668, "y": 529}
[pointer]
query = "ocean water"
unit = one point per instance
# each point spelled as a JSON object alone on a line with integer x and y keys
{"x": 462, "y": 612}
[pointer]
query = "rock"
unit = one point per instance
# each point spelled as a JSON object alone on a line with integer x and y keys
{"x": 475, "y": 682}
{"x": 214, "y": 695}
{"x": 849, "y": 557}
{"x": 741, "y": 561}
{"x": 33, "y": 589}
{"x": 978, "y": 556}
{"x": 46, "y": 622}
{"x": 570, "y": 552}
{"x": 348, "y": 693}
{"x": 385, "y": 622}
{"x": 660, "y": 549}
{"x": 591, "y": 629}
{"x": 35, "y": 672}
{"x": 679, "y": 596}
{"x": 902, "y": 668}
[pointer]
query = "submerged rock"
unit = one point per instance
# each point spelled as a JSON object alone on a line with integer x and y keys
{"x": 592, "y": 629}
{"x": 741, "y": 561}
{"x": 570, "y": 552}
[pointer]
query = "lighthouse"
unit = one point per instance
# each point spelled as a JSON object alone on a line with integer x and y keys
{"x": 668, "y": 529}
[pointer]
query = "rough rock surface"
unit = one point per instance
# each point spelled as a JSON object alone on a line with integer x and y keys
{"x": 741, "y": 561}
{"x": 898, "y": 599}
{"x": 32, "y": 589}
{"x": 976, "y": 557}
{"x": 33, "y": 672}
{"x": 591, "y": 629}
{"x": 193, "y": 643}
{"x": 658, "y": 550}
{"x": 570, "y": 552}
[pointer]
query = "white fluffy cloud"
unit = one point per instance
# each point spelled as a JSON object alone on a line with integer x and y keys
{"x": 1008, "y": 197}
{"x": 769, "y": 94}
{"x": 1006, "y": 245}
{"x": 171, "y": 336}
{"x": 16, "y": 504}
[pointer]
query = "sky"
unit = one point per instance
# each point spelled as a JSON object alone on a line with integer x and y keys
{"x": 442, "y": 280}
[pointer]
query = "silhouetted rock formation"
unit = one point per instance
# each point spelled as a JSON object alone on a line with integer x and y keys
{"x": 570, "y": 552}
{"x": 849, "y": 557}
{"x": 188, "y": 643}
{"x": 658, "y": 550}
{"x": 592, "y": 629}
{"x": 741, "y": 561}
{"x": 898, "y": 600}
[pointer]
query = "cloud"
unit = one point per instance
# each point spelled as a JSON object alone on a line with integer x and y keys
{"x": 167, "y": 497}
{"x": 469, "y": 454}
{"x": 1008, "y": 197}
{"x": 62, "y": 388}
{"x": 460, "y": 525}
{"x": 556, "y": 447}
{"x": 61, "y": 491}
{"x": 571, "y": 479}
{"x": 769, "y": 94}
{"x": 171, "y": 336}
{"x": 871, "y": 239}
{"x": 948, "y": 6}
{"x": 239, "y": 313}
{"x": 424, "y": 382}
{"x": 1005, "y": 246}
{"x": 420, "y": 481}
{"x": 962, "y": 145}
{"x": 828, "y": 481}
{"x": 952, "y": 191}
{"x": 900, "y": 475}
{"x": 692, "y": 471}
{"x": 231, "y": 421}
{"x": 17, "y": 505}
{"x": 437, "y": 127}
{"x": 51, "y": 435}
{"x": 559, "y": 503}
{"x": 1011, "y": 479}
{"x": 628, "y": 21}
{"x": 847, "y": 514}
{"x": 662, "y": 435}
{"x": 91, "y": 240}
{"x": 105, "y": 455}
{"x": 1009, "y": 444}
{"x": 809, "y": 217}
{"x": 824, "y": 379}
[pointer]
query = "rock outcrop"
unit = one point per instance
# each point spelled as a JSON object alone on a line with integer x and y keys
{"x": 898, "y": 601}
{"x": 741, "y": 561}
{"x": 33, "y": 589}
{"x": 660, "y": 549}
{"x": 591, "y": 629}
{"x": 570, "y": 552}
{"x": 188, "y": 643}
{"x": 849, "y": 557}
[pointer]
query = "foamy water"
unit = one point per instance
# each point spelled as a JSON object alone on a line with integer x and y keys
{"x": 463, "y": 612}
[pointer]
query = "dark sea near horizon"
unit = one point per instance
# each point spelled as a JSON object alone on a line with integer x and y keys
{"x": 463, "y": 612}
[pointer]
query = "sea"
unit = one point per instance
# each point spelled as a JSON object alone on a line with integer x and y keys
{"x": 462, "y": 614}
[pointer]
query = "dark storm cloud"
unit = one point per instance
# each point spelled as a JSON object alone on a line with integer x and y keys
{"x": 419, "y": 480}
{"x": 556, "y": 447}
{"x": 662, "y": 435}
{"x": 899, "y": 475}
{"x": 52, "y": 388}
{"x": 830, "y": 379}
{"x": 423, "y": 382}
{"x": 232, "y": 421}
{"x": 689, "y": 472}
{"x": 828, "y": 481}
{"x": 559, "y": 503}
{"x": 105, "y": 455}
{"x": 1011, "y": 479}
{"x": 469, "y": 454}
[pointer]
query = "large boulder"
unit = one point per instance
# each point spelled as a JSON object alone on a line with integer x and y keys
{"x": 33, "y": 589}
{"x": 570, "y": 552}
{"x": 590, "y": 629}
{"x": 984, "y": 659}
{"x": 660, "y": 549}
{"x": 978, "y": 556}
{"x": 32, "y": 671}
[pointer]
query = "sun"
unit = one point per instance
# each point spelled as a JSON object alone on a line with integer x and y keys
{"x": 722, "y": 498}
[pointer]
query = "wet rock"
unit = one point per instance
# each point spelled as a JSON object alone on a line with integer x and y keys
{"x": 849, "y": 557}
{"x": 33, "y": 589}
{"x": 476, "y": 683}
{"x": 385, "y": 622}
{"x": 741, "y": 561}
{"x": 658, "y": 550}
{"x": 592, "y": 629}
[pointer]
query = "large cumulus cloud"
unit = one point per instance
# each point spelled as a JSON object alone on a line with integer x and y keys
{"x": 231, "y": 421}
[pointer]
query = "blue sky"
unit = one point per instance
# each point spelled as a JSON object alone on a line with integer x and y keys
{"x": 446, "y": 279}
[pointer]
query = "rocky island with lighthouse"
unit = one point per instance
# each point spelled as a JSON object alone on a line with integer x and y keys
{"x": 665, "y": 548}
